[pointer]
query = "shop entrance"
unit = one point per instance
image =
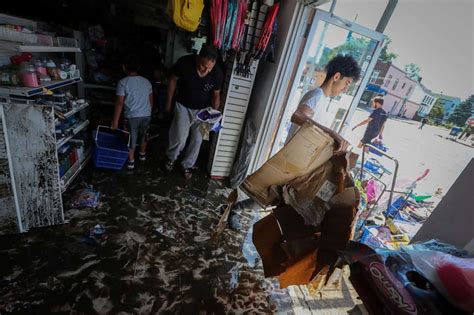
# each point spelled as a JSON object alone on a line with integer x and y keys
{"x": 329, "y": 36}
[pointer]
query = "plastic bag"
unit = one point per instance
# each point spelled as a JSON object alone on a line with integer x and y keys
{"x": 400, "y": 281}
{"x": 452, "y": 276}
{"x": 209, "y": 115}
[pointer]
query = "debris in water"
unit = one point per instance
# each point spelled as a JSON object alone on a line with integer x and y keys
{"x": 168, "y": 233}
{"x": 95, "y": 236}
{"x": 86, "y": 197}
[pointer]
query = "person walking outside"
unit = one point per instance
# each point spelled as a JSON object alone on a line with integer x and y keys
{"x": 197, "y": 82}
{"x": 423, "y": 123}
{"x": 375, "y": 123}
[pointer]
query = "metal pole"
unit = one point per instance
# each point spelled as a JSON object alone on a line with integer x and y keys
{"x": 387, "y": 14}
{"x": 333, "y": 5}
{"x": 395, "y": 173}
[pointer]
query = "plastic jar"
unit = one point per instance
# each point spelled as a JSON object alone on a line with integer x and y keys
{"x": 40, "y": 68}
{"x": 15, "y": 76}
{"x": 53, "y": 71}
{"x": 28, "y": 75}
{"x": 5, "y": 76}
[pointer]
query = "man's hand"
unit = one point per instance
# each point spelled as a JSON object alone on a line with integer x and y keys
{"x": 114, "y": 125}
{"x": 343, "y": 145}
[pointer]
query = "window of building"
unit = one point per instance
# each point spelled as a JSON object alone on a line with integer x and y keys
{"x": 403, "y": 85}
{"x": 409, "y": 90}
{"x": 375, "y": 76}
{"x": 388, "y": 80}
{"x": 395, "y": 84}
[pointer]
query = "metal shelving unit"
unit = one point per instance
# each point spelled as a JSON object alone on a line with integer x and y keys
{"x": 33, "y": 147}
{"x": 71, "y": 112}
{"x": 71, "y": 174}
{"x": 28, "y": 91}
{"x": 48, "y": 49}
{"x": 98, "y": 86}
{"x": 73, "y": 131}
{"x": 19, "y": 48}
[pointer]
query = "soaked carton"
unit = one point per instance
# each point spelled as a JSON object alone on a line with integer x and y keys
{"x": 309, "y": 148}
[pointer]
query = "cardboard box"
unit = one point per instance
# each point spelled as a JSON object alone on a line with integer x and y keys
{"x": 309, "y": 148}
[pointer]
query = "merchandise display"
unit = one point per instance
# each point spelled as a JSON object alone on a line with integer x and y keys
{"x": 415, "y": 279}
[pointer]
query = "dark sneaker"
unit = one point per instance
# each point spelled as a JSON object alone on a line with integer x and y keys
{"x": 142, "y": 156}
{"x": 130, "y": 165}
{"x": 168, "y": 166}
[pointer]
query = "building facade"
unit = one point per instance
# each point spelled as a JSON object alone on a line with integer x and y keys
{"x": 425, "y": 98}
{"x": 449, "y": 104}
{"x": 397, "y": 88}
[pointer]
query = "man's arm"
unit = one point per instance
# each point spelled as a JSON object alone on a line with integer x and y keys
{"x": 117, "y": 111}
{"x": 170, "y": 92}
{"x": 216, "y": 99}
{"x": 304, "y": 113}
{"x": 151, "y": 100}
{"x": 363, "y": 122}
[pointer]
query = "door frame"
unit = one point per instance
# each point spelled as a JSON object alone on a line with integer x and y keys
{"x": 274, "y": 112}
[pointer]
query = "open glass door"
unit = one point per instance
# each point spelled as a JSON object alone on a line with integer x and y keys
{"x": 330, "y": 35}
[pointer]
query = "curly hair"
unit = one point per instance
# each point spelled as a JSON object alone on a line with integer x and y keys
{"x": 345, "y": 65}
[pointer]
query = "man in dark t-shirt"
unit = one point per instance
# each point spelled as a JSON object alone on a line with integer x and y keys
{"x": 197, "y": 83}
{"x": 375, "y": 122}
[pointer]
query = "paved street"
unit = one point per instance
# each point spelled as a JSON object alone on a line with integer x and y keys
{"x": 417, "y": 150}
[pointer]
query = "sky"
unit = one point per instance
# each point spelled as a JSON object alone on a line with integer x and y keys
{"x": 435, "y": 34}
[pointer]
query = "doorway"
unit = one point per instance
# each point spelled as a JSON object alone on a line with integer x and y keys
{"x": 328, "y": 36}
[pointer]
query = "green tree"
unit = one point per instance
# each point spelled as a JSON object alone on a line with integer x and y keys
{"x": 384, "y": 54}
{"x": 354, "y": 47}
{"x": 413, "y": 71}
{"x": 462, "y": 112}
{"x": 437, "y": 112}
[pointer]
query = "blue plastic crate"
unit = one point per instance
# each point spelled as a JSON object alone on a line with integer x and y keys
{"x": 110, "y": 151}
{"x": 373, "y": 166}
{"x": 379, "y": 146}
